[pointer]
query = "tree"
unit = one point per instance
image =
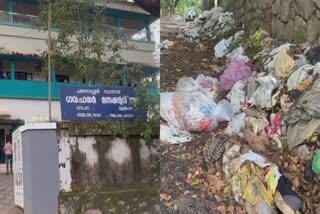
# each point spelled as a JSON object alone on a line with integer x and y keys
{"x": 84, "y": 43}
{"x": 169, "y": 6}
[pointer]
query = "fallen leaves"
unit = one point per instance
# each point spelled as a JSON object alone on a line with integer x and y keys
{"x": 165, "y": 196}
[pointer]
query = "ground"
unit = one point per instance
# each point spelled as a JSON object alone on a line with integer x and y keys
{"x": 183, "y": 61}
{"x": 183, "y": 192}
{"x": 6, "y": 192}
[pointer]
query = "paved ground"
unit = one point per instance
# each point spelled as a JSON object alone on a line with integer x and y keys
{"x": 6, "y": 192}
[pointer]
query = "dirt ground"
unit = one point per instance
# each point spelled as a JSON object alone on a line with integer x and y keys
{"x": 178, "y": 162}
{"x": 185, "y": 60}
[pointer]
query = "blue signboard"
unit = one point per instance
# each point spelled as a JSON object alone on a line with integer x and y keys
{"x": 97, "y": 103}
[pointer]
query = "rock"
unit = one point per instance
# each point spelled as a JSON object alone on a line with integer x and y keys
{"x": 113, "y": 210}
{"x": 289, "y": 31}
{"x": 285, "y": 10}
{"x": 157, "y": 208}
{"x": 269, "y": 3}
{"x": 317, "y": 2}
{"x": 292, "y": 13}
{"x": 93, "y": 212}
{"x": 318, "y": 14}
{"x": 143, "y": 204}
{"x": 300, "y": 23}
{"x": 180, "y": 36}
{"x": 262, "y": 4}
{"x": 313, "y": 30}
{"x": 305, "y": 8}
{"x": 276, "y": 7}
{"x": 121, "y": 203}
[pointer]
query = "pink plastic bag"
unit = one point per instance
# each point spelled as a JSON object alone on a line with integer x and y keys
{"x": 236, "y": 70}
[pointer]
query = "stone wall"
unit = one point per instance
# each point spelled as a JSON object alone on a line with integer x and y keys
{"x": 290, "y": 20}
{"x": 101, "y": 173}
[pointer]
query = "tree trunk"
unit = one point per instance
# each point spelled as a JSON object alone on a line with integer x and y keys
{"x": 211, "y": 4}
{"x": 205, "y": 5}
{"x": 151, "y": 6}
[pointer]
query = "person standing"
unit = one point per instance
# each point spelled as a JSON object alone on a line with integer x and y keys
{"x": 8, "y": 150}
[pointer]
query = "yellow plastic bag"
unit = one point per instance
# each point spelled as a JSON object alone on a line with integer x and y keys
{"x": 283, "y": 64}
{"x": 254, "y": 190}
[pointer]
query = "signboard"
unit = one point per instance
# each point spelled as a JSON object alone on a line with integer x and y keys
{"x": 17, "y": 169}
{"x": 97, "y": 103}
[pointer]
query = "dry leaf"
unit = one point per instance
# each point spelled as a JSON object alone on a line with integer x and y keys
{"x": 296, "y": 183}
{"x": 165, "y": 196}
{"x": 221, "y": 209}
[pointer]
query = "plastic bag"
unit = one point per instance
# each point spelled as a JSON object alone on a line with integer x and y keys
{"x": 298, "y": 76}
{"x": 236, "y": 70}
{"x": 263, "y": 93}
{"x": 283, "y": 64}
{"x": 221, "y": 49}
{"x": 237, "y": 54}
{"x": 202, "y": 82}
{"x": 316, "y": 162}
{"x": 167, "y": 111}
{"x": 173, "y": 135}
{"x": 236, "y": 125}
{"x": 237, "y": 96}
{"x": 196, "y": 111}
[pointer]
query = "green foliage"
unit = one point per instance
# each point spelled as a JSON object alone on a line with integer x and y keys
{"x": 150, "y": 101}
{"x": 299, "y": 36}
{"x": 169, "y": 7}
{"x": 255, "y": 40}
{"x": 83, "y": 41}
{"x": 234, "y": 44}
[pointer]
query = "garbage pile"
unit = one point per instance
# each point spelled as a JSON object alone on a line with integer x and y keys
{"x": 210, "y": 25}
{"x": 272, "y": 103}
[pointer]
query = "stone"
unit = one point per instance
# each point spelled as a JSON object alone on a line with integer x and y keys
{"x": 285, "y": 10}
{"x": 121, "y": 203}
{"x": 305, "y": 8}
{"x": 317, "y": 2}
{"x": 292, "y": 13}
{"x": 318, "y": 14}
{"x": 313, "y": 30}
{"x": 93, "y": 212}
{"x": 300, "y": 23}
{"x": 276, "y": 7}
{"x": 277, "y": 27}
{"x": 269, "y": 3}
{"x": 289, "y": 31}
{"x": 143, "y": 204}
{"x": 157, "y": 208}
{"x": 239, "y": 4}
{"x": 180, "y": 36}
{"x": 113, "y": 210}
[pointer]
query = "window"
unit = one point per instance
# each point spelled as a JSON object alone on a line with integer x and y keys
{"x": 23, "y": 76}
{"x": 62, "y": 78}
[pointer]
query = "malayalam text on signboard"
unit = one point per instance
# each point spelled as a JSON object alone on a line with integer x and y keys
{"x": 97, "y": 103}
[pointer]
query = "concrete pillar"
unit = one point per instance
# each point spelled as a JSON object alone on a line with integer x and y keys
{"x": 147, "y": 24}
{"x": 117, "y": 22}
{"x": 10, "y": 10}
{"x": 12, "y": 70}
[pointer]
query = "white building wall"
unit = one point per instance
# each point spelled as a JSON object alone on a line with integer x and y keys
{"x": 30, "y": 110}
{"x": 31, "y": 41}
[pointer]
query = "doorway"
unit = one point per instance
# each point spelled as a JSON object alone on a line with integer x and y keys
{"x": 2, "y": 142}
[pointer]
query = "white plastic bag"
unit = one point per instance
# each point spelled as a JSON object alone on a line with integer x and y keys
{"x": 174, "y": 136}
{"x": 167, "y": 111}
{"x": 196, "y": 111}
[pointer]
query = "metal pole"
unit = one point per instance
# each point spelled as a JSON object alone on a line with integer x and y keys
{"x": 49, "y": 60}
